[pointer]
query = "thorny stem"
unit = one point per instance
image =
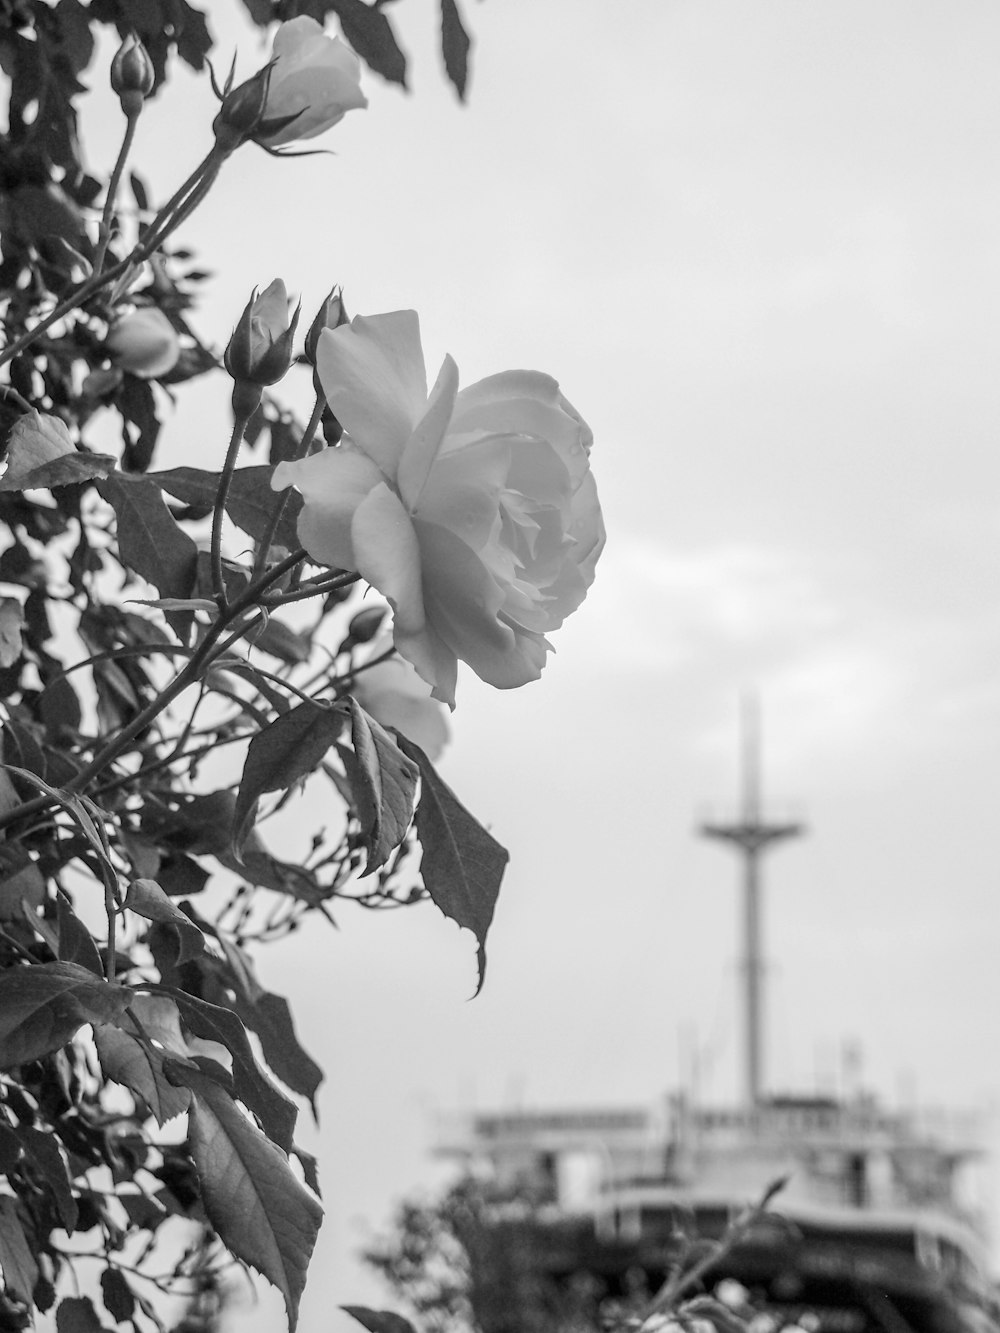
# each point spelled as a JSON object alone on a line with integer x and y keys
{"x": 170, "y": 216}
{"x": 300, "y": 452}
{"x": 314, "y": 588}
{"x": 222, "y": 495}
{"x": 109, "y": 202}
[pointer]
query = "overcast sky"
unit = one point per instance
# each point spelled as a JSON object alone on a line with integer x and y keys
{"x": 758, "y": 246}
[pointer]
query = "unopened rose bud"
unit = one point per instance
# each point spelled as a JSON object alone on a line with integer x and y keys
{"x": 260, "y": 350}
{"x": 144, "y": 343}
{"x": 242, "y": 111}
{"x": 365, "y": 625}
{"x": 330, "y": 315}
{"x": 132, "y": 75}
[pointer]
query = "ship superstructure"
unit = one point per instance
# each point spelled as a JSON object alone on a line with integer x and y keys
{"x": 872, "y": 1232}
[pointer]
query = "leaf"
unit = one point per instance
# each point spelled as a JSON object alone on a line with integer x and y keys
{"x": 379, "y": 1321}
{"x": 42, "y": 1151}
{"x": 251, "y": 503}
{"x": 384, "y": 783}
{"x": 283, "y": 642}
{"x": 41, "y": 454}
{"x": 11, "y": 624}
{"x": 119, "y": 1298}
{"x": 76, "y": 944}
{"x": 261, "y": 1210}
{"x": 128, "y": 1061}
{"x": 76, "y": 1314}
{"x": 150, "y": 542}
{"x": 72, "y": 470}
{"x": 20, "y": 1271}
{"x": 462, "y": 864}
{"x": 147, "y": 899}
{"x": 270, "y": 1017}
{"x": 276, "y": 1113}
{"x": 455, "y": 44}
{"x": 44, "y": 1005}
{"x": 280, "y": 755}
{"x": 370, "y": 33}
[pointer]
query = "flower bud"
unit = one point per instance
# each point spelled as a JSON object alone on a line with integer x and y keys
{"x": 132, "y": 75}
{"x": 144, "y": 343}
{"x": 260, "y": 350}
{"x": 365, "y": 625}
{"x": 330, "y": 315}
{"x": 242, "y": 111}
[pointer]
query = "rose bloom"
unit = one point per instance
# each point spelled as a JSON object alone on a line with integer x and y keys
{"x": 474, "y": 513}
{"x": 143, "y": 342}
{"x": 315, "y": 78}
{"x": 393, "y": 693}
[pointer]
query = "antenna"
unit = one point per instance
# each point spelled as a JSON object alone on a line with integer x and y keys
{"x": 750, "y": 835}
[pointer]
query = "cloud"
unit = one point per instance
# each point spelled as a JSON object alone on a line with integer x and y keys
{"x": 847, "y": 674}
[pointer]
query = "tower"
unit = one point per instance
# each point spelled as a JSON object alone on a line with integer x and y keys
{"x": 751, "y": 836}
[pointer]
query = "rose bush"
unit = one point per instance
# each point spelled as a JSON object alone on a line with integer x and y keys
{"x": 474, "y": 513}
{"x": 314, "y": 78}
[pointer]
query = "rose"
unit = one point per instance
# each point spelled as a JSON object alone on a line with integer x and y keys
{"x": 474, "y": 513}
{"x": 310, "y": 84}
{"x": 315, "y": 78}
{"x": 143, "y": 342}
{"x": 396, "y": 696}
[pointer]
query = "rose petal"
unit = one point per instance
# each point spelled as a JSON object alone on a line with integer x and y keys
{"x": 433, "y": 659}
{"x": 525, "y": 402}
{"x": 425, "y": 442}
{"x": 372, "y": 373}
{"x": 463, "y": 491}
{"x": 388, "y": 556}
{"x": 333, "y": 483}
{"x": 462, "y": 601}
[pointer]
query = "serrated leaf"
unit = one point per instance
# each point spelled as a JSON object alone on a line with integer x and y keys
{"x": 462, "y": 865}
{"x": 370, "y": 33}
{"x": 455, "y": 44}
{"x": 11, "y": 625}
{"x": 253, "y": 1199}
{"x": 128, "y": 1061}
{"x": 69, "y": 471}
{"x": 20, "y": 1271}
{"x": 280, "y": 755}
{"x": 379, "y": 1321}
{"x": 270, "y": 1016}
{"x": 42, "y": 1150}
{"x": 276, "y": 1113}
{"x": 41, "y": 454}
{"x": 76, "y": 1314}
{"x": 76, "y": 944}
{"x": 148, "y": 900}
{"x": 44, "y": 1005}
{"x": 384, "y": 782}
{"x": 250, "y": 503}
{"x": 149, "y": 540}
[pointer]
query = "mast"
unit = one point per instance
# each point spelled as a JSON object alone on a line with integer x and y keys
{"x": 751, "y": 835}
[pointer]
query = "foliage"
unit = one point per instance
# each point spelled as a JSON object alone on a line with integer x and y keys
{"x": 171, "y": 676}
{"x": 475, "y": 1261}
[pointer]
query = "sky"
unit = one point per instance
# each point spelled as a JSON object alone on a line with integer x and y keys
{"x": 757, "y": 246}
